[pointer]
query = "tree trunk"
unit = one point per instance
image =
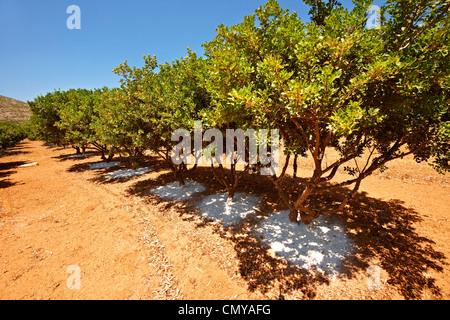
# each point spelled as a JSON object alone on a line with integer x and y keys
{"x": 295, "y": 166}
{"x": 133, "y": 162}
{"x": 305, "y": 194}
{"x": 178, "y": 177}
{"x": 308, "y": 218}
{"x": 306, "y": 215}
{"x": 293, "y": 215}
{"x": 231, "y": 192}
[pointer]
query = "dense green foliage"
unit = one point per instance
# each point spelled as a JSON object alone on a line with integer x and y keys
{"x": 336, "y": 84}
{"x": 10, "y": 134}
{"x": 77, "y": 115}
{"x": 372, "y": 95}
{"x": 45, "y": 116}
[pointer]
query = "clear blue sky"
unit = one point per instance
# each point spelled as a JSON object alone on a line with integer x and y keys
{"x": 38, "y": 53}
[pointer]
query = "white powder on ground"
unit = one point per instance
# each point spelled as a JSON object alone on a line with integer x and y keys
{"x": 218, "y": 207}
{"x": 174, "y": 191}
{"x": 323, "y": 244}
{"x": 102, "y": 165}
{"x": 80, "y": 155}
{"x": 128, "y": 173}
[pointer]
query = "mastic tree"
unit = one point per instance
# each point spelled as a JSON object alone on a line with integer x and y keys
{"x": 119, "y": 125}
{"x": 77, "y": 116}
{"x": 178, "y": 99}
{"x": 321, "y": 9}
{"x": 67, "y": 117}
{"x": 151, "y": 105}
{"x": 372, "y": 95}
{"x": 45, "y": 109}
{"x": 10, "y": 134}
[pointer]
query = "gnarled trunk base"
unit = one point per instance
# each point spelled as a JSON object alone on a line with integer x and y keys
{"x": 306, "y": 218}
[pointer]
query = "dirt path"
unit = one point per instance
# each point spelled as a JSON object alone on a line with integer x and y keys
{"x": 60, "y": 216}
{"x": 51, "y": 219}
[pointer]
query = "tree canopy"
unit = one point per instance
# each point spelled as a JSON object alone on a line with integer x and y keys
{"x": 372, "y": 95}
{"x": 336, "y": 84}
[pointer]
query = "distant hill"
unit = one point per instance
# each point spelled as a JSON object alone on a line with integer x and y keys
{"x": 13, "y": 110}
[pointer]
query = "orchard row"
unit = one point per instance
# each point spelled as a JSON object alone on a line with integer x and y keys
{"x": 373, "y": 95}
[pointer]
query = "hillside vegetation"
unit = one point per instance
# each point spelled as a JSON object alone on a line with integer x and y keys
{"x": 13, "y": 110}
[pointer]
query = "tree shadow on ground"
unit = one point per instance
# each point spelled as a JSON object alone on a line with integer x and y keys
{"x": 75, "y": 156}
{"x": 14, "y": 151}
{"x": 7, "y": 169}
{"x": 57, "y": 147}
{"x": 106, "y": 175}
{"x": 385, "y": 229}
{"x": 380, "y": 230}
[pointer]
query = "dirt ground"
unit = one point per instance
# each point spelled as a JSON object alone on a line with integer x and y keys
{"x": 61, "y": 216}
